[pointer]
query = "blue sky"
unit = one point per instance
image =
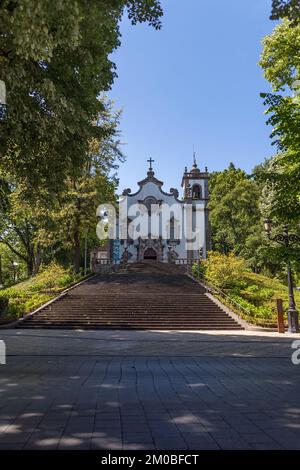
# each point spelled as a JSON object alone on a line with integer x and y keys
{"x": 194, "y": 82}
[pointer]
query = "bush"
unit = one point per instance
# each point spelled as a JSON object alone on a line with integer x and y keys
{"x": 66, "y": 280}
{"x": 51, "y": 277}
{"x": 26, "y": 296}
{"x": 256, "y": 293}
{"x": 261, "y": 312}
{"x": 35, "y": 301}
{"x": 198, "y": 270}
{"x": 224, "y": 272}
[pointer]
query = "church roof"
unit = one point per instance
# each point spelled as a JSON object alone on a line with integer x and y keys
{"x": 151, "y": 179}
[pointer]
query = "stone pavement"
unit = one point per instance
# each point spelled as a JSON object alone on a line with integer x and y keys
{"x": 149, "y": 390}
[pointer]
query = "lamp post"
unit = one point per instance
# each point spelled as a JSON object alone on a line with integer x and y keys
{"x": 15, "y": 266}
{"x": 3, "y": 107}
{"x": 287, "y": 239}
{"x": 85, "y": 251}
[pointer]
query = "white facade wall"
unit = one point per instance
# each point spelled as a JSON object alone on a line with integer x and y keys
{"x": 150, "y": 187}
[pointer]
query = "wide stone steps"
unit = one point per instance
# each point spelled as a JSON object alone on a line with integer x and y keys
{"x": 122, "y": 314}
{"x": 127, "y": 327}
{"x": 114, "y": 318}
{"x": 134, "y": 300}
{"x": 136, "y": 325}
{"x": 129, "y": 315}
{"x": 134, "y": 308}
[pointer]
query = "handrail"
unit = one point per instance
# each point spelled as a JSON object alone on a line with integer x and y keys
{"x": 210, "y": 287}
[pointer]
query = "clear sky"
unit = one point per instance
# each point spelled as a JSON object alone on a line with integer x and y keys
{"x": 194, "y": 82}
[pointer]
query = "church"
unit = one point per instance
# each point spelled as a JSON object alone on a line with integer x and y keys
{"x": 176, "y": 229}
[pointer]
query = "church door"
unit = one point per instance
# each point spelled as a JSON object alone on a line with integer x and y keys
{"x": 150, "y": 253}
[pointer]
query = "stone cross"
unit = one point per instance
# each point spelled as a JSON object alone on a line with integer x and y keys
{"x": 150, "y": 161}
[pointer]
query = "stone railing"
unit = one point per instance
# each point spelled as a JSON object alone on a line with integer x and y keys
{"x": 185, "y": 261}
{"x": 238, "y": 309}
{"x": 103, "y": 262}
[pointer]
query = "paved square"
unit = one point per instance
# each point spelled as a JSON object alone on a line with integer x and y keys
{"x": 148, "y": 390}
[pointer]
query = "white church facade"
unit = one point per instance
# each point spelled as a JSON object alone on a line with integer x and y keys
{"x": 181, "y": 234}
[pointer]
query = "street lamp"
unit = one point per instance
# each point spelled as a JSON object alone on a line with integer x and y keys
{"x": 15, "y": 266}
{"x": 286, "y": 239}
{"x": 85, "y": 251}
{"x": 268, "y": 225}
{"x": 3, "y": 107}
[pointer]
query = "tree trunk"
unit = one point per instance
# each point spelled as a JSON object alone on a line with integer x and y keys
{"x": 30, "y": 265}
{"x": 37, "y": 260}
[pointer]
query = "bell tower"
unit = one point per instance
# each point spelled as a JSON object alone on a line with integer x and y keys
{"x": 195, "y": 184}
{"x": 196, "y": 192}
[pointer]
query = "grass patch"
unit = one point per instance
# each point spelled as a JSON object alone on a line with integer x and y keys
{"x": 23, "y": 298}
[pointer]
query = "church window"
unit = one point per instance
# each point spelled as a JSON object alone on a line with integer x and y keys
{"x": 196, "y": 191}
{"x": 174, "y": 229}
{"x": 149, "y": 202}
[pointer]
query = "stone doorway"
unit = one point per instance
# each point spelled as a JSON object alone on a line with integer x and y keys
{"x": 150, "y": 253}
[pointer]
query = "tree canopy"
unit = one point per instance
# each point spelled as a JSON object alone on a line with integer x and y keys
{"x": 51, "y": 224}
{"x": 234, "y": 209}
{"x": 55, "y": 61}
{"x": 238, "y": 205}
{"x": 59, "y": 139}
{"x": 286, "y": 9}
{"x": 280, "y": 61}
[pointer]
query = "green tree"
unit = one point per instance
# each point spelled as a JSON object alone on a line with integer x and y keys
{"x": 38, "y": 229}
{"x": 8, "y": 268}
{"x": 24, "y": 226}
{"x": 234, "y": 209}
{"x": 280, "y": 61}
{"x": 96, "y": 183}
{"x": 286, "y": 9}
{"x": 55, "y": 60}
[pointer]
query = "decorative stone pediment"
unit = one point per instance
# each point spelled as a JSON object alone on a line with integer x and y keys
{"x": 126, "y": 192}
{"x": 151, "y": 179}
{"x": 175, "y": 192}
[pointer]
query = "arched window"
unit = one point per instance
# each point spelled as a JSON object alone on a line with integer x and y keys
{"x": 196, "y": 191}
{"x": 148, "y": 202}
{"x": 174, "y": 229}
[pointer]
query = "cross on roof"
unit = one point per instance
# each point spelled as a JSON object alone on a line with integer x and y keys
{"x": 150, "y": 161}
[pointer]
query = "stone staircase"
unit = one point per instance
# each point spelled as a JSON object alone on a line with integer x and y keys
{"x": 148, "y": 295}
